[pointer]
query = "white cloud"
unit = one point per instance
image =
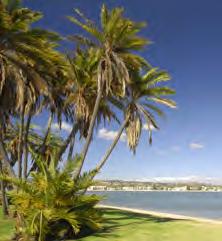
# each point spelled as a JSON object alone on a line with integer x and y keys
{"x": 110, "y": 135}
{"x": 183, "y": 179}
{"x": 196, "y": 145}
{"x": 64, "y": 126}
{"x": 145, "y": 127}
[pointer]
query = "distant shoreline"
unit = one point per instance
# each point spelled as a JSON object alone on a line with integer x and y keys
{"x": 162, "y": 214}
{"x": 154, "y": 191}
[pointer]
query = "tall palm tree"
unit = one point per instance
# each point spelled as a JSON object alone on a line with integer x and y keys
{"x": 29, "y": 65}
{"x": 140, "y": 110}
{"x": 82, "y": 95}
{"x": 117, "y": 41}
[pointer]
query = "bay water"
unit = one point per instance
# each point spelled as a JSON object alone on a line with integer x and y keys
{"x": 196, "y": 204}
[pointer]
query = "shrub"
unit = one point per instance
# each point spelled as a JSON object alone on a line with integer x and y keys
{"x": 52, "y": 204}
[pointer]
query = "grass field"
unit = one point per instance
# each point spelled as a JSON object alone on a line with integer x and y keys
{"x": 125, "y": 226}
{"x": 6, "y": 228}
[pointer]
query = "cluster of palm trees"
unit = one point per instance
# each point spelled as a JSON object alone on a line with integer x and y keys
{"x": 106, "y": 79}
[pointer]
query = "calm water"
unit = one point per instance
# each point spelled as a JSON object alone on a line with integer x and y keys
{"x": 198, "y": 204}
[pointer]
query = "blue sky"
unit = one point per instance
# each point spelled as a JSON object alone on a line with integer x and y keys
{"x": 187, "y": 38}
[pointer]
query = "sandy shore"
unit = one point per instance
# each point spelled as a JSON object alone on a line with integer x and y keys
{"x": 164, "y": 215}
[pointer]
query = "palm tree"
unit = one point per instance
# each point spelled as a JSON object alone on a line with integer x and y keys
{"x": 29, "y": 65}
{"x": 117, "y": 41}
{"x": 139, "y": 108}
{"x": 82, "y": 94}
{"x": 27, "y": 56}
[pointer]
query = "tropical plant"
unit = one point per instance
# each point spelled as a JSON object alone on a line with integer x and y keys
{"x": 138, "y": 107}
{"x": 82, "y": 95}
{"x": 29, "y": 66}
{"x": 117, "y": 42}
{"x": 51, "y": 204}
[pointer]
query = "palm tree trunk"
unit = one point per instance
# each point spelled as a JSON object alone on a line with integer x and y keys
{"x": 71, "y": 147}
{"x": 91, "y": 126}
{"x": 111, "y": 148}
{"x": 109, "y": 151}
{"x": 20, "y": 145}
{"x": 49, "y": 124}
{"x": 41, "y": 149}
{"x": 26, "y": 152}
{"x": 4, "y": 197}
{"x": 5, "y": 158}
{"x": 4, "y": 200}
{"x": 68, "y": 140}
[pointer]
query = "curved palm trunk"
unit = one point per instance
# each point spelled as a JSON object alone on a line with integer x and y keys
{"x": 49, "y": 124}
{"x": 4, "y": 197}
{"x": 111, "y": 148}
{"x": 68, "y": 140}
{"x": 92, "y": 124}
{"x": 41, "y": 149}
{"x": 20, "y": 145}
{"x": 25, "y": 169}
{"x": 109, "y": 151}
{"x": 72, "y": 143}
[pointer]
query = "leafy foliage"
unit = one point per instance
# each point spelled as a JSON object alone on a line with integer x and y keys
{"x": 29, "y": 63}
{"x": 51, "y": 204}
{"x": 140, "y": 110}
{"x": 117, "y": 41}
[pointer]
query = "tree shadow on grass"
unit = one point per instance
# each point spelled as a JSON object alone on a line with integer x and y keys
{"x": 115, "y": 219}
{"x": 123, "y": 215}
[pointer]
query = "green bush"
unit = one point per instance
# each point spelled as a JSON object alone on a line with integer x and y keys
{"x": 52, "y": 204}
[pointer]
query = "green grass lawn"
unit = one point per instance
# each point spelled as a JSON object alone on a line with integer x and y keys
{"x": 6, "y": 228}
{"x": 125, "y": 226}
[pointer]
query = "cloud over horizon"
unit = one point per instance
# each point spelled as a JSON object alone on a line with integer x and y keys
{"x": 65, "y": 126}
{"x": 196, "y": 146}
{"x": 110, "y": 135}
{"x": 183, "y": 179}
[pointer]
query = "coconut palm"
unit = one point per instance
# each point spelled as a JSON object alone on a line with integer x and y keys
{"x": 117, "y": 41}
{"x": 139, "y": 109}
{"x": 82, "y": 95}
{"x": 28, "y": 60}
{"x": 28, "y": 64}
